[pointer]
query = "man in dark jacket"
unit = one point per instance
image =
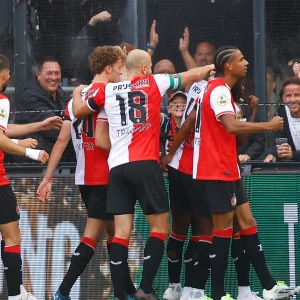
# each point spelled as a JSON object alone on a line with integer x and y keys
{"x": 43, "y": 98}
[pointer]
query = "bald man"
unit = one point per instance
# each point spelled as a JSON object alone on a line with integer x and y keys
{"x": 204, "y": 54}
{"x": 132, "y": 109}
{"x": 164, "y": 66}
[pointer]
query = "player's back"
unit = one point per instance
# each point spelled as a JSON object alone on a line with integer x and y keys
{"x": 215, "y": 152}
{"x": 92, "y": 167}
{"x": 133, "y": 110}
{"x": 187, "y": 149}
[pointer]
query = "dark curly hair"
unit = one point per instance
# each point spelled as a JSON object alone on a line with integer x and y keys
{"x": 104, "y": 56}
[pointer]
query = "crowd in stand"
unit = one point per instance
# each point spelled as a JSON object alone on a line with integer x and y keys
{"x": 136, "y": 157}
{"x": 45, "y": 97}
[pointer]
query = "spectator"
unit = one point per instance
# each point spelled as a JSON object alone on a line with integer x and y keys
{"x": 203, "y": 55}
{"x": 90, "y": 36}
{"x": 164, "y": 66}
{"x": 272, "y": 100}
{"x": 153, "y": 39}
{"x": 93, "y": 34}
{"x": 296, "y": 67}
{"x": 290, "y": 112}
{"x": 291, "y": 69}
{"x": 44, "y": 98}
{"x": 170, "y": 123}
{"x": 255, "y": 144}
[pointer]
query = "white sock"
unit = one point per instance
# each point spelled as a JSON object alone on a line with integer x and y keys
{"x": 244, "y": 291}
{"x": 18, "y": 297}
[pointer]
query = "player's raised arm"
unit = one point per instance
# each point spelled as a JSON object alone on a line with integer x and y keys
{"x": 80, "y": 108}
{"x": 195, "y": 74}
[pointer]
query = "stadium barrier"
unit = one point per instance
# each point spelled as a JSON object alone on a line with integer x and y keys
{"x": 50, "y": 233}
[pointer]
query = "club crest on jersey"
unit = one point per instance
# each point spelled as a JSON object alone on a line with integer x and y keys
{"x": 3, "y": 114}
{"x": 222, "y": 100}
{"x": 233, "y": 200}
{"x": 239, "y": 115}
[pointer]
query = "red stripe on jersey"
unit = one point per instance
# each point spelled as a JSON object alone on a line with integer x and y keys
{"x": 67, "y": 113}
{"x": 145, "y": 137}
{"x": 217, "y": 151}
{"x": 96, "y": 167}
{"x": 3, "y": 176}
{"x": 3, "y": 97}
{"x": 186, "y": 160}
{"x": 92, "y": 166}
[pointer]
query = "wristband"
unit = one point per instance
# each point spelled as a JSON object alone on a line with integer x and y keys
{"x": 32, "y": 153}
{"x": 15, "y": 141}
{"x": 150, "y": 47}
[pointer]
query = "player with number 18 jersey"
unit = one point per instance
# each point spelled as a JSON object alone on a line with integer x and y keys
{"x": 133, "y": 112}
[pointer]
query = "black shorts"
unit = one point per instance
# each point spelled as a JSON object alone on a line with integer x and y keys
{"x": 241, "y": 195}
{"x": 9, "y": 209}
{"x": 224, "y": 196}
{"x": 139, "y": 180}
{"x": 186, "y": 194}
{"x": 94, "y": 198}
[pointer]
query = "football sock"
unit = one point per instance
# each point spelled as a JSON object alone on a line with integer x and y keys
{"x": 128, "y": 284}
{"x": 202, "y": 262}
{"x": 254, "y": 250}
{"x": 118, "y": 265}
{"x": 174, "y": 251}
{"x": 219, "y": 260}
{"x": 153, "y": 254}
{"x": 241, "y": 261}
{"x": 189, "y": 257}
{"x": 12, "y": 262}
{"x": 80, "y": 259}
